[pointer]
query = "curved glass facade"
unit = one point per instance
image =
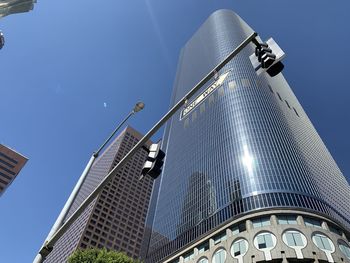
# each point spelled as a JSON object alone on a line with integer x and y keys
{"x": 247, "y": 145}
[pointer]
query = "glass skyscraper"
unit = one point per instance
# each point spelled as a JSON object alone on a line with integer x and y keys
{"x": 246, "y": 175}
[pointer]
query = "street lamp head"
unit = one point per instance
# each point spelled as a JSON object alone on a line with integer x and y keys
{"x": 139, "y": 106}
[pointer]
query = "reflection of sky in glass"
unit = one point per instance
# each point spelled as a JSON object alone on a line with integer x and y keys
{"x": 47, "y": 61}
{"x": 248, "y": 163}
{"x": 255, "y": 150}
{"x": 247, "y": 160}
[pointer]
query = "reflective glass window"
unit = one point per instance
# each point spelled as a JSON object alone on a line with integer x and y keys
{"x": 188, "y": 256}
{"x": 287, "y": 219}
{"x": 312, "y": 222}
{"x": 334, "y": 229}
{"x": 220, "y": 237}
{"x": 265, "y": 241}
{"x": 260, "y": 222}
{"x": 244, "y": 150}
{"x": 322, "y": 242}
{"x": 203, "y": 260}
{"x": 294, "y": 238}
{"x": 232, "y": 85}
{"x": 239, "y": 247}
{"x": 219, "y": 256}
{"x": 345, "y": 249}
{"x": 245, "y": 82}
{"x": 236, "y": 229}
{"x": 203, "y": 247}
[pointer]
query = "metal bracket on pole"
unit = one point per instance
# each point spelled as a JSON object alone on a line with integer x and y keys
{"x": 144, "y": 139}
{"x": 256, "y": 42}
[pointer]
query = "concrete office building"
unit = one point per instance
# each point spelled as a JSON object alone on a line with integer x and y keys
{"x": 11, "y": 163}
{"x": 9, "y": 7}
{"x": 115, "y": 219}
{"x": 246, "y": 176}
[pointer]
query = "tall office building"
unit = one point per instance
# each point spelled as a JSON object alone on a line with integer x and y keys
{"x": 9, "y": 7}
{"x": 11, "y": 163}
{"x": 246, "y": 176}
{"x": 115, "y": 219}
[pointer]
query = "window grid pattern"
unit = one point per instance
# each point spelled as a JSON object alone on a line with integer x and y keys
{"x": 265, "y": 241}
{"x": 116, "y": 218}
{"x": 312, "y": 222}
{"x": 219, "y": 256}
{"x": 203, "y": 247}
{"x": 345, "y": 249}
{"x": 323, "y": 242}
{"x": 236, "y": 229}
{"x": 260, "y": 222}
{"x": 240, "y": 150}
{"x": 220, "y": 237}
{"x": 287, "y": 220}
{"x": 239, "y": 248}
{"x": 11, "y": 164}
{"x": 203, "y": 260}
{"x": 294, "y": 239}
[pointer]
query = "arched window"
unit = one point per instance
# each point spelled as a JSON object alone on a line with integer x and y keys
{"x": 323, "y": 242}
{"x": 265, "y": 240}
{"x": 239, "y": 248}
{"x": 219, "y": 256}
{"x": 294, "y": 239}
{"x": 345, "y": 249}
{"x": 203, "y": 260}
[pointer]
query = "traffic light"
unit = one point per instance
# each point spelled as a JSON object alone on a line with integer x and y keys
{"x": 267, "y": 57}
{"x": 154, "y": 162}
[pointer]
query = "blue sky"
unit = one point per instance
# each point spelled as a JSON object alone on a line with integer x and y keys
{"x": 71, "y": 70}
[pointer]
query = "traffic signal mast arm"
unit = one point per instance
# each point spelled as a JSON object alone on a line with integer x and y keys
{"x": 47, "y": 247}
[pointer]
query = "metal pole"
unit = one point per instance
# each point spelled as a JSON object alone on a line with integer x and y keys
{"x": 45, "y": 249}
{"x": 112, "y": 134}
{"x": 59, "y": 221}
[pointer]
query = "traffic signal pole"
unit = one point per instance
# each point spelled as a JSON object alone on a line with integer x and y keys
{"x": 60, "y": 219}
{"x": 48, "y": 245}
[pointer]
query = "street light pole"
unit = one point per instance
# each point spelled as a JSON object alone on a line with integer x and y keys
{"x": 59, "y": 221}
{"x": 45, "y": 249}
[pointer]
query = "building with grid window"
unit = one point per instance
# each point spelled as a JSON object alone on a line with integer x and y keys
{"x": 11, "y": 163}
{"x": 250, "y": 180}
{"x": 116, "y": 218}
